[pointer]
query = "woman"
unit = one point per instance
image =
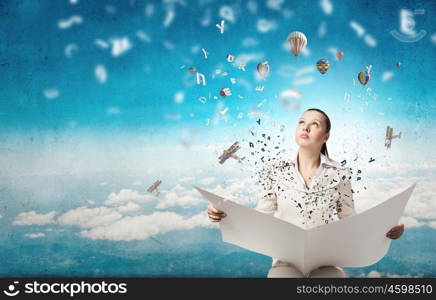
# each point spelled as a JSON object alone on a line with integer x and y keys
{"x": 309, "y": 190}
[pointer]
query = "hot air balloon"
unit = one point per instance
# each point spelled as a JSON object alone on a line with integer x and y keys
{"x": 340, "y": 55}
{"x": 191, "y": 70}
{"x": 263, "y": 68}
{"x": 363, "y": 77}
{"x": 398, "y": 64}
{"x": 297, "y": 40}
{"x": 322, "y": 65}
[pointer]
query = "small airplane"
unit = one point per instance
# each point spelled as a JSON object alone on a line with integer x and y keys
{"x": 230, "y": 152}
{"x": 389, "y": 137}
{"x": 154, "y": 187}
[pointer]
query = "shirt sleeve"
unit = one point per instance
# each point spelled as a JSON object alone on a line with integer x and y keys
{"x": 268, "y": 201}
{"x": 268, "y": 204}
{"x": 345, "y": 204}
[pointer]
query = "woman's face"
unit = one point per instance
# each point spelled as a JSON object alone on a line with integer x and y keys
{"x": 311, "y": 130}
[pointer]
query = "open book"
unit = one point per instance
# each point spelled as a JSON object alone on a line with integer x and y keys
{"x": 356, "y": 241}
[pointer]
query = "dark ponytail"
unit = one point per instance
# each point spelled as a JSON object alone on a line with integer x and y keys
{"x": 328, "y": 127}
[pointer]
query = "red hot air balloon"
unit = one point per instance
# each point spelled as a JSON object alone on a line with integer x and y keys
{"x": 340, "y": 55}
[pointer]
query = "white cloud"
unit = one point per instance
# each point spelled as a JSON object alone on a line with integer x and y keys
{"x": 303, "y": 80}
{"x": 245, "y": 58}
{"x": 421, "y": 205}
{"x": 274, "y": 4}
{"x": 168, "y": 45}
{"x": 370, "y": 41}
{"x": 130, "y": 206}
{"x": 285, "y": 70}
{"x": 120, "y": 46}
{"x": 143, "y": 36}
{"x": 360, "y": 31}
{"x": 100, "y": 73}
{"x": 185, "y": 179}
{"x": 387, "y": 76}
{"x": 304, "y": 70}
{"x": 179, "y": 97}
{"x": 179, "y": 196}
{"x": 51, "y": 93}
{"x": 290, "y": 93}
{"x": 169, "y": 17}
{"x": 126, "y": 195}
{"x": 433, "y": 38}
{"x": 207, "y": 180}
{"x": 137, "y": 183}
{"x": 110, "y": 111}
{"x": 145, "y": 226}
{"x": 92, "y": 202}
{"x": 240, "y": 190}
{"x": 264, "y": 25}
{"x": 227, "y": 13}
{"x": 149, "y": 10}
{"x": 432, "y": 224}
{"x": 410, "y": 222}
{"x": 250, "y": 42}
{"x": 69, "y": 50}
{"x": 374, "y": 274}
{"x": 101, "y": 43}
{"x": 64, "y": 24}
{"x": 33, "y": 218}
{"x": 252, "y": 7}
{"x": 357, "y": 28}
{"x": 333, "y": 51}
{"x": 89, "y": 217}
{"x": 35, "y": 235}
{"x": 327, "y": 6}
{"x": 322, "y": 29}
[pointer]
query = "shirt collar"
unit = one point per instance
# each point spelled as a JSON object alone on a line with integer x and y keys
{"x": 325, "y": 161}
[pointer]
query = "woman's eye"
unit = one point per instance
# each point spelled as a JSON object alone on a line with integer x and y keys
{"x": 300, "y": 122}
{"x": 315, "y": 124}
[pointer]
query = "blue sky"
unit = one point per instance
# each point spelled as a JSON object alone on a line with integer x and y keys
{"x": 97, "y": 100}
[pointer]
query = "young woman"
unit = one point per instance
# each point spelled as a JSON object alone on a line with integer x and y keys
{"x": 308, "y": 190}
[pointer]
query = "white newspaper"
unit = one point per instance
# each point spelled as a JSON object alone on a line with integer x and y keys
{"x": 355, "y": 241}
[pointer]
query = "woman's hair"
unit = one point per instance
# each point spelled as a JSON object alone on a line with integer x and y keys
{"x": 328, "y": 126}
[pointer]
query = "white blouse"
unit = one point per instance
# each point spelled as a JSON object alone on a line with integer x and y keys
{"x": 328, "y": 198}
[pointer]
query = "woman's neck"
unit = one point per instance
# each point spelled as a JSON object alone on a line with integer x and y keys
{"x": 309, "y": 159}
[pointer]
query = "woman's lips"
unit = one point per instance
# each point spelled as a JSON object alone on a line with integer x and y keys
{"x": 304, "y": 136}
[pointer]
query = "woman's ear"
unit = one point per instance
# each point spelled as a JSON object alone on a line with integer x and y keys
{"x": 327, "y": 136}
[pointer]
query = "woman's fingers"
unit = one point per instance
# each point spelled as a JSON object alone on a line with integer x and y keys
{"x": 215, "y": 215}
{"x": 214, "y": 211}
{"x": 395, "y": 232}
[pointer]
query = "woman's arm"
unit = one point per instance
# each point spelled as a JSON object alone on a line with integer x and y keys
{"x": 268, "y": 204}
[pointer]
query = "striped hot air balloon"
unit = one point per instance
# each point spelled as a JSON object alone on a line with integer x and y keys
{"x": 297, "y": 40}
{"x": 363, "y": 77}
{"x": 322, "y": 65}
{"x": 263, "y": 68}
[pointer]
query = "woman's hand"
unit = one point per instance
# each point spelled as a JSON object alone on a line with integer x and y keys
{"x": 215, "y": 215}
{"x": 395, "y": 232}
